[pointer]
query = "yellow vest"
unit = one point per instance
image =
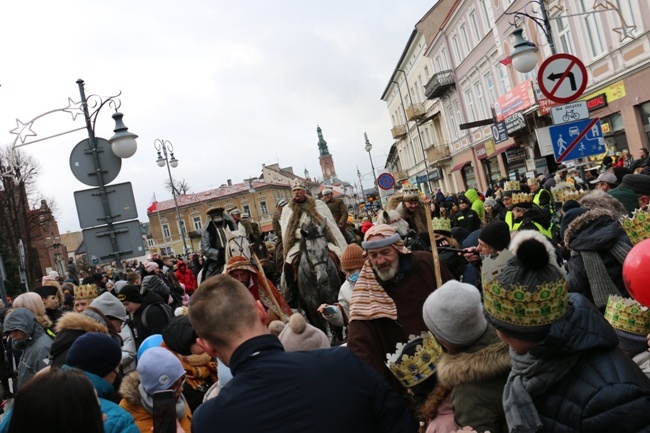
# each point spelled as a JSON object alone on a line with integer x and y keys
{"x": 510, "y": 220}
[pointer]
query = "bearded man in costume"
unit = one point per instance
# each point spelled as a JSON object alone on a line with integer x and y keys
{"x": 214, "y": 242}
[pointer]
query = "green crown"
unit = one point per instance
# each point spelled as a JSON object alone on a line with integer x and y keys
{"x": 628, "y": 315}
{"x": 411, "y": 370}
{"x": 441, "y": 224}
{"x": 637, "y": 227}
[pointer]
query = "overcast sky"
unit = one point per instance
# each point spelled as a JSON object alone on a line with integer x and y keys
{"x": 232, "y": 84}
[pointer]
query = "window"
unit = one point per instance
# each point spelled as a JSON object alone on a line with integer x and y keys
{"x": 625, "y": 6}
{"x": 594, "y": 37}
{"x": 264, "y": 208}
{"x": 459, "y": 117}
{"x": 196, "y": 221}
{"x": 444, "y": 59}
{"x": 469, "y": 97}
{"x": 466, "y": 41}
{"x": 438, "y": 63}
{"x": 489, "y": 82}
{"x": 480, "y": 102}
{"x": 474, "y": 22}
{"x": 486, "y": 8}
{"x": 420, "y": 88}
{"x": 457, "y": 49}
{"x": 426, "y": 73}
{"x": 504, "y": 80}
{"x": 564, "y": 36}
{"x": 247, "y": 209}
{"x": 165, "y": 230}
{"x": 181, "y": 225}
{"x": 453, "y": 127}
{"x": 151, "y": 243}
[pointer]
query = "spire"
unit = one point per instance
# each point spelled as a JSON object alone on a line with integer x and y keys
{"x": 322, "y": 144}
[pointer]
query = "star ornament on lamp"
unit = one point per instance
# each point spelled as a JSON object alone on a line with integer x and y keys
{"x": 23, "y": 130}
{"x": 74, "y": 108}
{"x": 625, "y": 31}
{"x": 605, "y": 4}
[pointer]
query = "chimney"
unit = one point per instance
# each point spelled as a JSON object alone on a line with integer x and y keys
{"x": 229, "y": 182}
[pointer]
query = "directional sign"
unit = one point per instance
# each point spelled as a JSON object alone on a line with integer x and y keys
{"x": 515, "y": 122}
{"x": 562, "y": 78}
{"x": 386, "y": 181}
{"x": 577, "y": 139}
{"x": 569, "y": 112}
{"x": 499, "y": 132}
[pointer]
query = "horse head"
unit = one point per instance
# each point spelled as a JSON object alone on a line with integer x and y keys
{"x": 238, "y": 243}
{"x": 394, "y": 219}
{"x": 315, "y": 251}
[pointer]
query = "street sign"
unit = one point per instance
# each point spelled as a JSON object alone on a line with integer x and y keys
{"x": 562, "y": 78}
{"x": 386, "y": 181}
{"x": 577, "y": 139}
{"x": 120, "y": 201}
{"x": 128, "y": 239}
{"x": 82, "y": 162}
{"x": 499, "y": 132}
{"x": 515, "y": 122}
{"x": 569, "y": 112}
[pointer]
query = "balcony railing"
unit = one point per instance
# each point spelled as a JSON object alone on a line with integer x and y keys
{"x": 437, "y": 153}
{"x": 398, "y": 131}
{"x": 415, "y": 111}
{"x": 439, "y": 83}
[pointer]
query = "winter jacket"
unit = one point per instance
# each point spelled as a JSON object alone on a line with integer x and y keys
{"x": 133, "y": 405}
{"x": 477, "y": 204}
{"x": 185, "y": 276}
{"x": 36, "y": 347}
{"x": 605, "y": 391}
{"x": 597, "y": 231}
{"x": 476, "y": 377}
{"x": 286, "y": 392}
{"x": 70, "y": 327}
{"x": 156, "y": 320}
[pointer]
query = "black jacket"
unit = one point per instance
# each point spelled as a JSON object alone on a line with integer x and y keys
{"x": 468, "y": 219}
{"x": 157, "y": 317}
{"x": 327, "y": 390}
{"x": 605, "y": 391}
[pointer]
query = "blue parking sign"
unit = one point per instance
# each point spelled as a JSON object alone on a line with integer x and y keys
{"x": 577, "y": 139}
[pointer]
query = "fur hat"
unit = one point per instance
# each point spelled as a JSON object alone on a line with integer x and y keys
{"x": 410, "y": 194}
{"x": 352, "y": 258}
{"x": 45, "y": 291}
{"x": 110, "y": 306}
{"x": 496, "y": 234}
{"x": 529, "y": 293}
{"x": 215, "y": 210}
{"x": 299, "y": 335}
{"x": 454, "y": 313}
{"x": 159, "y": 369}
{"x": 130, "y": 293}
{"x": 94, "y": 352}
{"x": 179, "y": 335}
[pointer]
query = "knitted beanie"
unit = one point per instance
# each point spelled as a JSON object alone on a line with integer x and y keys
{"x": 130, "y": 293}
{"x": 110, "y": 306}
{"x": 352, "y": 258}
{"x": 159, "y": 369}
{"x": 119, "y": 284}
{"x": 299, "y": 335}
{"x": 94, "y": 352}
{"x": 179, "y": 335}
{"x": 496, "y": 234}
{"x": 454, "y": 313}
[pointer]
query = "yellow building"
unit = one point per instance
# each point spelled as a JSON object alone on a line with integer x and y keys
{"x": 256, "y": 198}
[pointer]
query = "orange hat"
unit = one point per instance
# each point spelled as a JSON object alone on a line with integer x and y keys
{"x": 352, "y": 258}
{"x": 240, "y": 262}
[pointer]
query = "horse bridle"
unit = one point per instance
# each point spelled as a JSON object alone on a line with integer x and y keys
{"x": 239, "y": 243}
{"x": 324, "y": 262}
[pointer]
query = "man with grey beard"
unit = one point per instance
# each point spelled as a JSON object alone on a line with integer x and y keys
{"x": 386, "y": 304}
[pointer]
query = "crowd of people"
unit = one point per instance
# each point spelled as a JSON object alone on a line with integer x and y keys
{"x": 509, "y": 310}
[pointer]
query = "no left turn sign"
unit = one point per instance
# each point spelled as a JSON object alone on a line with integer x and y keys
{"x": 562, "y": 78}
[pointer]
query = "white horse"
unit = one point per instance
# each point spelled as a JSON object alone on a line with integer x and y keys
{"x": 394, "y": 219}
{"x": 237, "y": 244}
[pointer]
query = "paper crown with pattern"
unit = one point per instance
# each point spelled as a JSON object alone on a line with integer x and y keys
{"x": 558, "y": 191}
{"x": 85, "y": 291}
{"x": 518, "y": 305}
{"x": 522, "y": 197}
{"x": 441, "y": 224}
{"x": 413, "y": 369}
{"x": 512, "y": 185}
{"x": 637, "y": 227}
{"x": 410, "y": 193}
{"x": 627, "y": 315}
{"x": 297, "y": 184}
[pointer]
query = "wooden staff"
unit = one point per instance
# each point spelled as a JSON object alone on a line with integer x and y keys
{"x": 434, "y": 246}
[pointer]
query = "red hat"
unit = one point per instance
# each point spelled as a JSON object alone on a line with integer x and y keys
{"x": 240, "y": 262}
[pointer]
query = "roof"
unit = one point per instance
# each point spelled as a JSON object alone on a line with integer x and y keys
{"x": 223, "y": 191}
{"x": 399, "y": 62}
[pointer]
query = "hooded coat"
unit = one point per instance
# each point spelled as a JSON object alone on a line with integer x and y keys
{"x": 37, "y": 345}
{"x": 70, "y": 327}
{"x": 476, "y": 377}
{"x": 417, "y": 220}
{"x": 156, "y": 317}
{"x": 477, "y": 203}
{"x": 185, "y": 276}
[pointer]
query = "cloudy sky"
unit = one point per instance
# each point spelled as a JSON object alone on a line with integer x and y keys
{"x": 232, "y": 84}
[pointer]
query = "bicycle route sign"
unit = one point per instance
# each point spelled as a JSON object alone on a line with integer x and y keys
{"x": 386, "y": 181}
{"x": 569, "y": 112}
{"x": 562, "y": 78}
{"x": 577, "y": 139}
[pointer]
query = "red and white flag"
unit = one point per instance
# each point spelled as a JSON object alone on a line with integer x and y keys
{"x": 153, "y": 204}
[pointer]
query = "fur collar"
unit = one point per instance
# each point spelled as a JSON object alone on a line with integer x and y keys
{"x": 484, "y": 364}
{"x": 419, "y": 216}
{"x": 129, "y": 389}
{"x": 578, "y": 224}
{"x": 79, "y": 322}
{"x": 297, "y": 209}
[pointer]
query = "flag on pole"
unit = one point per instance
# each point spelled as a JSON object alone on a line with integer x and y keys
{"x": 153, "y": 204}
{"x": 506, "y": 61}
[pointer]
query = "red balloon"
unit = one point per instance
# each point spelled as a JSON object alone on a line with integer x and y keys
{"x": 635, "y": 272}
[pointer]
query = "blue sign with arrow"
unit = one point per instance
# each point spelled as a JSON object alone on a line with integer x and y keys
{"x": 577, "y": 139}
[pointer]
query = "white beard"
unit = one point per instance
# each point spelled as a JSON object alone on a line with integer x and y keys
{"x": 389, "y": 274}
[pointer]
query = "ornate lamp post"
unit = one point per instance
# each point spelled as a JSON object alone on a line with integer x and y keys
{"x": 372, "y": 165}
{"x": 166, "y": 157}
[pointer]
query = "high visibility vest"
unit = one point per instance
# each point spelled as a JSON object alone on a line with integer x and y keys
{"x": 510, "y": 220}
{"x": 546, "y": 232}
{"x": 537, "y": 196}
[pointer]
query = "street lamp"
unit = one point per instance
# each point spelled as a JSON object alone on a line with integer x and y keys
{"x": 168, "y": 159}
{"x": 524, "y": 54}
{"x": 374, "y": 175}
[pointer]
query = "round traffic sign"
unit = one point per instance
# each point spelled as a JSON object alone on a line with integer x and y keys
{"x": 562, "y": 78}
{"x": 82, "y": 162}
{"x": 386, "y": 181}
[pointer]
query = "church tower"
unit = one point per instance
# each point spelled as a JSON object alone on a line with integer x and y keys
{"x": 325, "y": 158}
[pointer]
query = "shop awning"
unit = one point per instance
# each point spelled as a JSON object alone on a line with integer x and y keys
{"x": 503, "y": 149}
{"x": 459, "y": 166}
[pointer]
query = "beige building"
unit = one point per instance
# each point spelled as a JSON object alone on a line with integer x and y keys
{"x": 256, "y": 198}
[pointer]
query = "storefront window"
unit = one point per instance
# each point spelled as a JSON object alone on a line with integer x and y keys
{"x": 469, "y": 176}
{"x": 645, "y": 120}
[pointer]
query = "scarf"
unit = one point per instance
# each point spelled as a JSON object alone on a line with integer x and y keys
{"x": 147, "y": 403}
{"x": 600, "y": 283}
{"x": 200, "y": 371}
{"x": 370, "y": 300}
{"x": 530, "y": 377}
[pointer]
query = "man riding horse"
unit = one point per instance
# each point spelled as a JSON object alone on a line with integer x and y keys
{"x": 303, "y": 209}
{"x": 214, "y": 242}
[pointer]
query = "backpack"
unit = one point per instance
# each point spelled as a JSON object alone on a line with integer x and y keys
{"x": 166, "y": 308}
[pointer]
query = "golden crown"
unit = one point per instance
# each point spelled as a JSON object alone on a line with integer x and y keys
{"x": 441, "y": 224}
{"x": 628, "y": 315}
{"x": 85, "y": 291}
{"x": 410, "y": 193}
{"x": 558, "y": 191}
{"x": 522, "y": 197}
{"x": 512, "y": 185}
{"x": 638, "y": 226}
{"x": 411, "y": 370}
{"x": 518, "y": 305}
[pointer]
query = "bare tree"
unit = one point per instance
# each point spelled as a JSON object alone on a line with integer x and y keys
{"x": 180, "y": 187}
